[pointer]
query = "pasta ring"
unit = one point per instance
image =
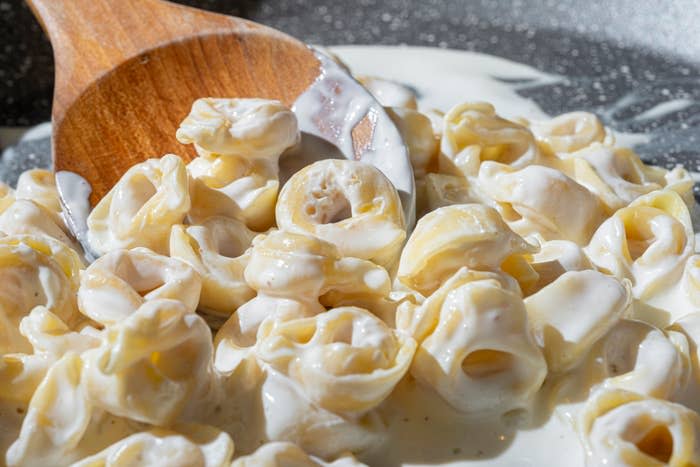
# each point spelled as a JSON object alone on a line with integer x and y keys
{"x": 348, "y": 203}
{"x": 118, "y": 283}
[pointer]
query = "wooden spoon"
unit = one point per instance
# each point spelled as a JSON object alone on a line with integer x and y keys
{"x": 127, "y": 72}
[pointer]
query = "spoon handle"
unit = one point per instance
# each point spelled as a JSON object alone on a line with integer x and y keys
{"x": 92, "y": 37}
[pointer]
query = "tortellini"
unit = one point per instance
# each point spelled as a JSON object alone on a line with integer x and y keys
{"x": 24, "y": 217}
{"x": 141, "y": 208}
{"x": 569, "y": 132}
{"x": 118, "y": 283}
{"x": 475, "y": 348}
{"x": 537, "y": 201}
{"x": 569, "y": 315}
{"x": 448, "y": 238}
{"x": 239, "y": 142}
{"x": 216, "y": 249}
{"x": 473, "y": 133}
{"x": 348, "y": 203}
{"x": 190, "y": 446}
{"x": 622, "y": 428}
{"x": 151, "y": 364}
{"x": 647, "y": 242}
{"x": 291, "y": 274}
{"x": 638, "y": 357}
{"x": 347, "y": 360}
{"x": 38, "y": 270}
{"x": 39, "y": 186}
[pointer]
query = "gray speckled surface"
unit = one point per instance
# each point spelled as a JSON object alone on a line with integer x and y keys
{"x": 622, "y": 57}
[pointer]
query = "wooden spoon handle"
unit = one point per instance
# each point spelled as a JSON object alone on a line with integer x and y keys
{"x": 91, "y": 37}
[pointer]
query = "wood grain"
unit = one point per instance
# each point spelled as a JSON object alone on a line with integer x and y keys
{"x": 127, "y": 72}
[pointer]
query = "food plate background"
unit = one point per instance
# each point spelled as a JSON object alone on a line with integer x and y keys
{"x": 635, "y": 63}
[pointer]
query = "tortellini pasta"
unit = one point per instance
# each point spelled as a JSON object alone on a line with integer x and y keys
{"x": 24, "y": 217}
{"x": 569, "y": 132}
{"x": 473, "y": 133}
{"x": 118, "y": 283}
{"x": 347, "y": 360}
{"x": 291, "y": 273}
{"x": 151, "y": 364}
{"x": 638, "y": 357}
{"x": 216, "y": 249}
{"x": 647, "y": 242}
{"x": 417, "y": 132}
{"x": 141, "y": 208}
{"x": 623, "y": 428}
{"x": 239, "y": 142}
{"x": 348, "y": 203}
{"x": 38, "y": 270}
{"x": 475, "y": 348}
{"x": 537, "y": 201}
{"x": 190, "y": 446}
{"x": 448, "y": 238}
{"x": 569, "y": 315}
{"x": 39, "y": 185}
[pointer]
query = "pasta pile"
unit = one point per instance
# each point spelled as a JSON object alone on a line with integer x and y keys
{"x": 226, "y": 309}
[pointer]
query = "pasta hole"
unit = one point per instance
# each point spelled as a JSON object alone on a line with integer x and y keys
{"x": 310, "y": 210}
{"x": 139, "y": 189}
{"x": 338, "y": 211}
{"x": 484, "y": 363}
{"x": 657, "y": 443}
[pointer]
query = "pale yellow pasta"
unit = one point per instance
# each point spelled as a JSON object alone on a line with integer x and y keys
{"x": 289, "y": 415}
{"x": 616, "y": 175}
{"x": 38, "y": 270}
{"x": 39, "y": 185}
{"x": 474, "y": 346}
{"x": 569, "y": 132}
{"x": 25, "y": 217}
{"x": 448, "y": 238}
{"x": 537, "y": 201}
{"x": 553, "y": 259}
{"x": 348, "y": 203}
{"x": 234, "y": 186}
{"x": 239, "y": 141}
{"x": 141, "y": 208}
{"x": 56, "y": 420}
{"x": 118, "y": 283}
{"x": 285, "y": 454}
{"x": 251, "y": 128}
{"x": 622, "y": 428}
{"x": 638, "y": 357}
{"x": 569, "y": 315}
{"x": 690, "y": 284}
{"x": 446, "y": 190}
{"x": 189, "y": 445}
{"x": 347, "y": 360}
{"x": 50, "y": 338}
{"x": 151, "y": 364}
{"x": 417, "y": 132}
{"x": 473, "y": 133}
{"x": 647, "y": 242}
{"x": 216, "y": 249}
